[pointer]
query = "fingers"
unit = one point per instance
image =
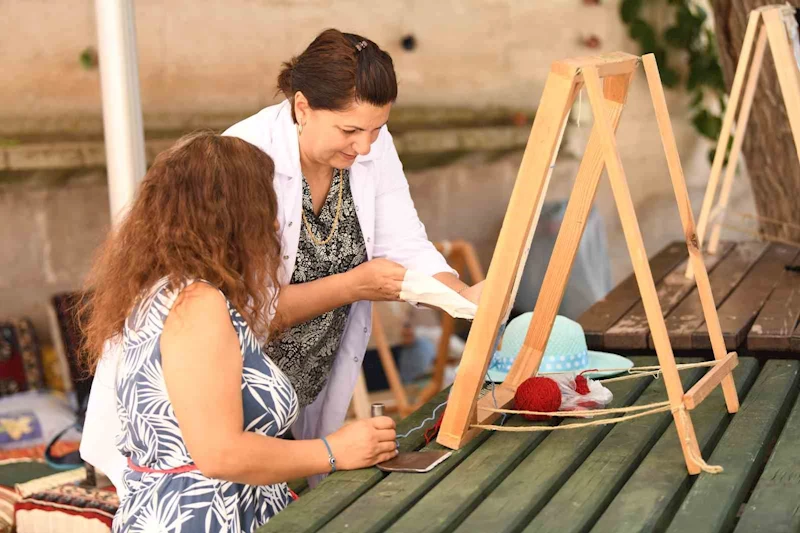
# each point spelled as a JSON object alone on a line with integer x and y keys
{"x": 386, "y": 447}
{"x": 386, "y": 435}
{"x": 382, "y": 422}
{"x": 386, "y": 456}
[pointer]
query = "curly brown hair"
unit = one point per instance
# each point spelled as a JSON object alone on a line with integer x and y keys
{"x": 206, "y": 209}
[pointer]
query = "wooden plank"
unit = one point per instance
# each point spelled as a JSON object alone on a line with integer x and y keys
{"x": 446, "y": 505}
{"x": 688, "y": 315}
{"x": 525, "y": 490}
{"x": 739, "y": 311}
{"x": 511, "y": 251}
{"x": 337, "y": 491}
{"x": 632, "y": 332}
{"x": 644, "y": 277}
{"x": 715, "y": 499}
{"x": 689, "y": 230}
{"x": 738, "y": 138}
{"x": 586, "y": 494}
{"x": 709, "y": 382}
{"x": 384, "y": 503}
{"x": 606, "y": 312}
{"x": 775, "y": 325}
{"x": 653, "y": 493}
{"x": 609, "y": 64}
{"x": 727, "y": 125}
{"x": 772, "y": 508}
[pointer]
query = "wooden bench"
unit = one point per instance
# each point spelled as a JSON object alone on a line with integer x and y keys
{"x": 620, "y": 478}
{"x": 758, "y": 301}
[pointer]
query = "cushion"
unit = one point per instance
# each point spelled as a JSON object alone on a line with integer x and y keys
{"x": 20, "y": 358}
{"x": 32, "y": 418}
{"x": 68, "y": 339}
{"x": 65, "y": 509}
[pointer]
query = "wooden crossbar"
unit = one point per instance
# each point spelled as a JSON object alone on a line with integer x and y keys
{"x": 710, "y": 380}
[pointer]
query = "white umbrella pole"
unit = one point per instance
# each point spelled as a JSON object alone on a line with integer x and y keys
{"x": 122, "y": 110}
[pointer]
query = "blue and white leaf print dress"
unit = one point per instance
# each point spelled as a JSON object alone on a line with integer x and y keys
{"x": 189, "y": 502}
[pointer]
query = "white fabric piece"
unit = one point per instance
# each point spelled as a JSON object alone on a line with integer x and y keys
{"x": 419, "y": 288}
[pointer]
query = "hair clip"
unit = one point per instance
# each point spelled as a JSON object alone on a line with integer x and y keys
{"x": 360, "y": 46}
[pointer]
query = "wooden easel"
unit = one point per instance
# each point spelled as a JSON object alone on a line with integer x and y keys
{"x": 607, "y": 79}
{"x": 772, "y": 31}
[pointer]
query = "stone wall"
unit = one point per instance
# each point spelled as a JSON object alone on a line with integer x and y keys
{"x": 204, "y": 58}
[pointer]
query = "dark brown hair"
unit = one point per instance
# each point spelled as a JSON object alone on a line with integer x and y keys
{"x": 336, "y": 70}
{"x": 206, "y": 210}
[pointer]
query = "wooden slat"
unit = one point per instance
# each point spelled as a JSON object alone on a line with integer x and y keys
{"x": 502, "y": 280}
{"x": 319, "y": 506}
{"x": 772, "y": 508}
{"x": 531, "y": 484}
{"x": 773, "y": 329}
{"x": 384, "y": 503}
{"x": 644, "y": 277}
{"x": 687, "y": 222}
{"x": 727, "y": 125}
{"x": 710, "y": 381}
{"x": 605, "y": 313}
{"x": 456, "y": 496}
{"x": 688, "y": 315}
{"x": 653, "y": 493}
{"x": 714, "y": 500}
{"x": 586, "y": 494}
{"x": 614, "y": 94}
{"x": 632, "y": 332}
{"x": 738, "y": 312}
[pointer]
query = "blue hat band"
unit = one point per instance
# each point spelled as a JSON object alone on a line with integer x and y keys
{"x": 555, "y": 363}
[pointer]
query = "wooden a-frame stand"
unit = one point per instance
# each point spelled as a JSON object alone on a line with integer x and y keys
{"x": 765, "y": 25}
{"x": 607, "y": 79}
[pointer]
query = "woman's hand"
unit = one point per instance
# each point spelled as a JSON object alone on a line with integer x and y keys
{"x": 364, "y": 443}
{"x": 473, "y": 294}
{"x": 377, "y": 280}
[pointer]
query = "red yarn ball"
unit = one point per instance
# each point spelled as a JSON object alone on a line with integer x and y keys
{"x": 538, "y": 394}
{"x": 581, "y": 385}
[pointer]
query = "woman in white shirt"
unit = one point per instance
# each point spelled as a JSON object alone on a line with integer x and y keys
{"x": 349, "y": 229}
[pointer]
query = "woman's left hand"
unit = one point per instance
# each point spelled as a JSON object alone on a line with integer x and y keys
{"x": 473, "y": 294}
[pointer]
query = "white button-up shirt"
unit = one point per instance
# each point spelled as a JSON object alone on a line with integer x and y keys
{"x": 391, "y": 230}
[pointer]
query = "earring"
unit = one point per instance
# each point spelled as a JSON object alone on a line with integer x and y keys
{"x": 299, "y": 129}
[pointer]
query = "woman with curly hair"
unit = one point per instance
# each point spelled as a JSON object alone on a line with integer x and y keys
{"x": 187, "y": 282}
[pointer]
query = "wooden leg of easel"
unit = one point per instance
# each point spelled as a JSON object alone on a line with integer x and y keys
{"x": 725, "y": 133}
{"x": 641, "y": 268}
{"x": 687, "y": 219}
{"x": 787, "y": 70}
{"x": 461, "y": 256}
{"x": 738, "y": 138}
{"x": 521, "y": 217}
{"x": 569, "y": 236}
{"x": 388, "y": 364}
{"x": 360, "y": 401}
{"x": 440, "y": 364}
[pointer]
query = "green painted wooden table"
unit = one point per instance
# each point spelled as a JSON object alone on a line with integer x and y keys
{"x": 629, "y": 477}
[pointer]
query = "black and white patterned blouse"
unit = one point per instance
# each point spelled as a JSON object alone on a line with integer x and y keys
{"x": 306, "y": 352}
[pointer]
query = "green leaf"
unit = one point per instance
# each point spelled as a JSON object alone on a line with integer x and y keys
{"x": 629, "y": 10}
{"x": 697, "y": 99}
{"x": 643, "y": 33}
{"x": 670, "y": 77}
{"x": 708, "y": 124}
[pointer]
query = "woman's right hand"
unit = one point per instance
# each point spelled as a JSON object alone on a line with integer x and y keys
{"x": 378, "y": 280}
{"x": 364, "y": 443}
